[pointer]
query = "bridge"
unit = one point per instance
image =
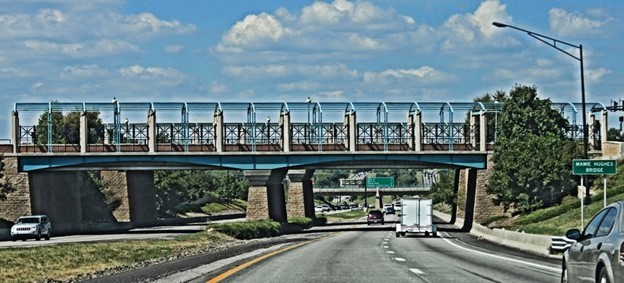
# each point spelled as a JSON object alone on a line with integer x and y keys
{"x": 52, "y": 142}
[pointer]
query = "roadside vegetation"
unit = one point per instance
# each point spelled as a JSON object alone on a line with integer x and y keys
{"x": 63, "y": 262}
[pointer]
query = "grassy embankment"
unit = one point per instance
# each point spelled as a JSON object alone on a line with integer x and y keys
{"x": 558, "y": 219}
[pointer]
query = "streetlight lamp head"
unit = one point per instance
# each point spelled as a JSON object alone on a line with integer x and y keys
{"x": 114, "y": 100}
{"x": 268, "y": 120}
{"x": 309, "y": 100}
{"x": 500, "y": 25}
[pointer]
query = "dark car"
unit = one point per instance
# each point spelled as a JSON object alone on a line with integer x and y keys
{"x": 598, "y": 254}
{"x": 389, "y": 210}
{"x": 375, "y": 216}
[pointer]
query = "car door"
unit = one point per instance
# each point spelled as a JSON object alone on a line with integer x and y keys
{"x": 599, "y": 244}
{"x": 577, "y": 271}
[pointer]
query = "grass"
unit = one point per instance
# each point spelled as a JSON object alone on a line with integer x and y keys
{"x": 351, "y": 214}
{"x": 65, "y": 261}
{"x": 556, "y": 220}
{"x": 218, "y": 207}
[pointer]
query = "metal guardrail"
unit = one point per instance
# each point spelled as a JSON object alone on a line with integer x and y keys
{"x": 560, "y": 243}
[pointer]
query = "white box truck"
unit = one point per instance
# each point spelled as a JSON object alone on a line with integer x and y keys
{"x": 416, "y": 216}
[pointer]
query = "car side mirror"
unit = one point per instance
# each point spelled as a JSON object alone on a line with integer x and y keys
{"x": 574, "y": 234}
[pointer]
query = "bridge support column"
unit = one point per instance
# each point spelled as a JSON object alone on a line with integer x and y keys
{"x": 266, "y": 199}
{"x": 300, "y": 195}
{"x": 57, "y": 194}
{"x": 471, "y": 191}
{"x": 378, "y": 200}
{"x": 141, "y": 197}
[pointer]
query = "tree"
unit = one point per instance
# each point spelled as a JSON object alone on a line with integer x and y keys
{"x": 443, "y": 189}
{"x": 5, "y": 187}
{"x": 66, "y": 127}
{"x": 613, "y": 134}
{"x": 532, "y": 156}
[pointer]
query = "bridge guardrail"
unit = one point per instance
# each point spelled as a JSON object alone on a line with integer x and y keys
{"x": 560, "y": 243}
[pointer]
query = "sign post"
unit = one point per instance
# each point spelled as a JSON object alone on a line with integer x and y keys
{"x": 593, "y": 167}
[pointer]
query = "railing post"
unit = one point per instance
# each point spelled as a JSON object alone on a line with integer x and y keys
{"x": 152, "y": 130}
{"x": 352, "y": 122}
{"x": 84, "y": 132}
{"x": 482, "y": 131}
{"x": 592, "y": 134}
{"x": 603, "y": 128}
{"x": 218, "y": 126}
{"x": 284, "y": 124}
{"x": 473, "y": 136}
{"x": 15, "y": 131}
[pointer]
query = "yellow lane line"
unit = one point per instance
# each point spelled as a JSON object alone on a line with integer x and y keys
{"x": 256, "y": 260}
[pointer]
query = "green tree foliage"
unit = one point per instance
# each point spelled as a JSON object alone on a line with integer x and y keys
{"x": 329, "y": 178}
{"x": 443, "y": 189}
{"x": 532, "y": 156}
{"x": 613, "y": 134}
{"x": 66, "y": 127}
{"x": 5, "y": 187}
{"x": 184, "y": 186}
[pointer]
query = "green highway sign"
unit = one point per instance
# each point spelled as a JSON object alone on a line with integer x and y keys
{"x": 593, "y": 166}
{"x": 380, "y": 182}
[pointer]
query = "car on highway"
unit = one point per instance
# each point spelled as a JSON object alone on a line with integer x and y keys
{"x": 375, "y": 216}
{"x": 318, "y": 209}
{"x": 390, "y": 210}
{"x": 31, "y": 227}
{"x": 598, "y": 254}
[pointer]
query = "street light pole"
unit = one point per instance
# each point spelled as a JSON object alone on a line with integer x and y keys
{"x": 546, "y": 40}
{"x": 307, "y": 127}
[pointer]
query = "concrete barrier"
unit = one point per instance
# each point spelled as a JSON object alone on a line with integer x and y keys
{"x": 538, "y": 244}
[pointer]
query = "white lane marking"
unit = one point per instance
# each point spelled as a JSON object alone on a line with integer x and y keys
{"x": 385, "y": 247}
{"x": 390, "y": 252}
{"x": 399, "y": 259}
{"x": 416, "y": 271}
{"x": 385, "y": 243}
{"x": 501, "y": 257}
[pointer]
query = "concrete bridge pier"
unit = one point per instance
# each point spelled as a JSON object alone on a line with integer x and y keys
{"x": 300, "y": 194}
{"x": 141, "y": 197}
{"x": 57, "y": 194}
{"x": 266, "y": 198}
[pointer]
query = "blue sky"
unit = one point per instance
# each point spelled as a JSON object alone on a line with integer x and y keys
{"x": 343, "y": 50}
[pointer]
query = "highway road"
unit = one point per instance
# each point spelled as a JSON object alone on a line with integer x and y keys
{"x": 378, "y": 256}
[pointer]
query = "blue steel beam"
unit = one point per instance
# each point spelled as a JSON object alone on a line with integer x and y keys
{"x": 250, "y": 161}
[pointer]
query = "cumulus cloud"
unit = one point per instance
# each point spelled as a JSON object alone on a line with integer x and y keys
{"x": 422, "y": 75}
{"x": 462, "y": 30}
{"x": 572, "y": 24}
{"x": 335, "y": 71}
{"x": 252, "y": 31}
{"x": 138, "y": 71}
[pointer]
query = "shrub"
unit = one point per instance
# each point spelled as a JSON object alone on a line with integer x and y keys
{"x": 302, "y": 222}
{"x": 250, "y": 229}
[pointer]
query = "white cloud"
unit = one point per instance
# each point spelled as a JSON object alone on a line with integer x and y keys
{"x": 173, "y": 48}
{"x": 299, "y": 86}
{"x": 596, "y": 74}
{"x": 335, "y": 71}
{"x": 218, "y": 88}
{"x": 476, "y": 29}
{"x": 572, "y": 24}
{"x": 13, "y": 72}
{"x": 145, "y": 24}
{"x": 253, "y": 30}
{"x": 138, "y": 71}
{"x": 84, "y": 71}
{"x": 79, "y": 49}
{"x": 423, "y": 75}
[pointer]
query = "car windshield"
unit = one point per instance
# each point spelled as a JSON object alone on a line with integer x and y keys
{"x": 28, "y": 220}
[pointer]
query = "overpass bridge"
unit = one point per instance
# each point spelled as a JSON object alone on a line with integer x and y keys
{"x": 53, "y": 142}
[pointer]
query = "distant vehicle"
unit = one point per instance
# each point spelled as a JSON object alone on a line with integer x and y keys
{"x": 598, "y": 254}
{"x": 318, "y": 209}
{"x": 31, "y": 227}
{"x": 416, "y": 217}
{"x": 345, "y": 206}
{"x": 385, "y": 206}
{"x": 325, "y": 207}
{"x": 389, "y": 210}
{"x": 375, "y": 216}
{"x": 397, "y": 206}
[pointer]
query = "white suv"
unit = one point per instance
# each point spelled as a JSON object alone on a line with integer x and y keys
{"x": 33, "y": 226}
